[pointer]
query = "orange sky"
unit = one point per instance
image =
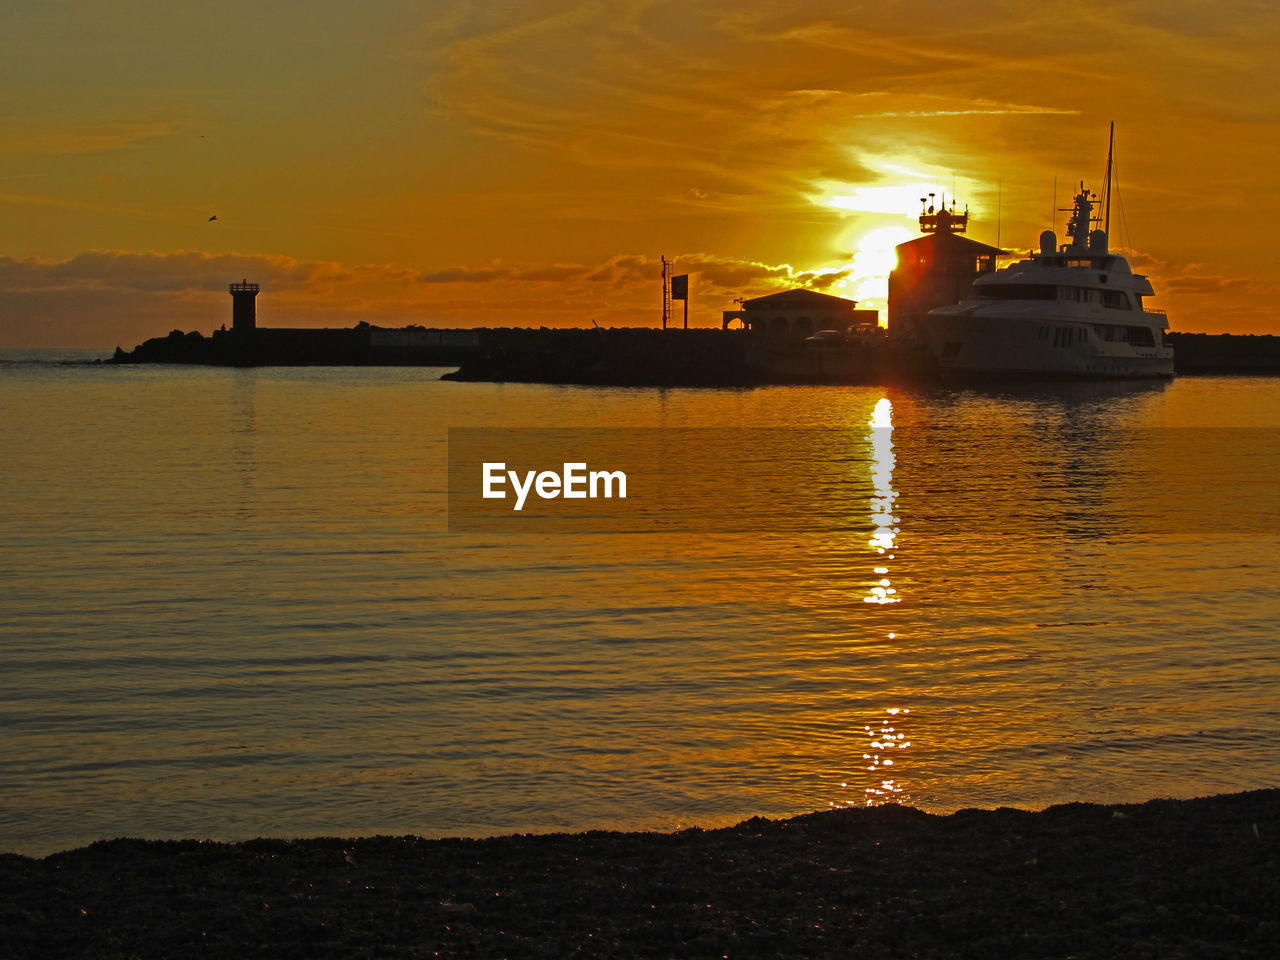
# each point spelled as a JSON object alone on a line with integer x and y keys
{"x": 482, "y": 163}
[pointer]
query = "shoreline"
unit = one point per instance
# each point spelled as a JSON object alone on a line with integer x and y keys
{"x": 1190, "y": 878}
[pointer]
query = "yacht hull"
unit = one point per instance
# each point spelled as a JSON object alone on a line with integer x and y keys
{"x": 972, "y": 343}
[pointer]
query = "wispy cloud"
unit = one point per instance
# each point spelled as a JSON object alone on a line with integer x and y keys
{"x": 976, "y": 108}
{"x": 162, "y": 272}
{"x": 18, "y": 139}
{"x": 721, "y": 274}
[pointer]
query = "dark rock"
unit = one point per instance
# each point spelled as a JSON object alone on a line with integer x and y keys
{"x": 1171, "y": 878}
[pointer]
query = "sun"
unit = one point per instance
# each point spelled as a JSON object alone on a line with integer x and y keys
{"x": 876, "y": 255}
{"x": 874, "y": 258}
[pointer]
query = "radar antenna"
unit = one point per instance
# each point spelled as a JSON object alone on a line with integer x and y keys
{"x": 939, "y": 219}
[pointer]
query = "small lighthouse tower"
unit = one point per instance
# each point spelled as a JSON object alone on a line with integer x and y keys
{"x": 244, "y": 318}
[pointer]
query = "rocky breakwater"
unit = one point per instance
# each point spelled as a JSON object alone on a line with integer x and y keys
{"x": 361, "y": 345}
{"x": 1225, "y": 353}
{"x": 613, "y": 357}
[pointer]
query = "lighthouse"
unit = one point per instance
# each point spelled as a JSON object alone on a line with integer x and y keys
{"x": 244, "y": 319}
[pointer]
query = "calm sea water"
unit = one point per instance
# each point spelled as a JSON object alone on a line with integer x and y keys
{"x": 231, "y": 606}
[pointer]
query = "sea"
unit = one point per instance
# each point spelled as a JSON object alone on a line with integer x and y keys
{"x": 254, "y": 602}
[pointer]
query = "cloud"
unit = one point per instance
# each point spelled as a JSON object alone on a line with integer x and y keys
{"x": 198, "y": 271}
{"x": 160, "y": 272}
{"x": 972, "y": 108}
{"x": 1204, "y": 283}
{"x": 30, "y": 139}
{"x": 1196, "y": 279}
{"x": 464, "y": 275}
{"x": 632, "y": 270}
{"x": 622, "y": 102}
{"x": 735, "y": 113}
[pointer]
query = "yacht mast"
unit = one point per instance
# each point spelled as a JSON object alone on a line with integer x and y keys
{"x": 1111, "y": 143}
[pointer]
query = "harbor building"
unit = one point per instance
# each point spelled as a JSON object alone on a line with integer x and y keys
{"x": 793, "y": 315}
{"x": 935, "y": 270}
{"x": 805, "y": 336}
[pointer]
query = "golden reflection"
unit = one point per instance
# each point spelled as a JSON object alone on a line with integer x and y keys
{"x": 884, "y": 743}
{"x": 886, "y": 740}
{"x": 882, "y": 500}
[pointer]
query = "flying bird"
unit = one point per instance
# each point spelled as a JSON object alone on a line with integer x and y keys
{"x": 213, "y": 218}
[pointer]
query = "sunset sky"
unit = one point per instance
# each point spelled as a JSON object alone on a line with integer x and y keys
{"x": 526, "y": 164}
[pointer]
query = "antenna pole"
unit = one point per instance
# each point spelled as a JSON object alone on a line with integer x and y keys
{"x": 666, "y": 290}
{"x": 999, "y": 207}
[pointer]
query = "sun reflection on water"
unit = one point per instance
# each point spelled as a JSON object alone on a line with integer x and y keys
{"x": 884, "y": 745}
{"x": 882, "y": 500}
{"x": 886, "y": 739}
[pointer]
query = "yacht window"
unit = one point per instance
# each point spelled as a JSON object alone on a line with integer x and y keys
{"x": 1081, "y": 294}
{"x": 1140, "y": 336}
{"x": 1116, "y": 300}
{"x": 1016, "y": 291}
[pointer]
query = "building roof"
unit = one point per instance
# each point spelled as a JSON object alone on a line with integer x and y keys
{"x": 797, "y": 298}
{"x": 950, "y": 243}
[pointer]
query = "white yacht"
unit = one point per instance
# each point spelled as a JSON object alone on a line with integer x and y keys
{"x": 1070, "y": 311}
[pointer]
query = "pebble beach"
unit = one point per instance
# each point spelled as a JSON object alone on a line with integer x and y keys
{"x": 1167, "y": 878}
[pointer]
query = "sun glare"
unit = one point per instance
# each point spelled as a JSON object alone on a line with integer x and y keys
{"x": 874, "y": 260}
{"x": 875, "y": 256}
{"x": 900, "y": 199}
{"x": 870, "y": 207}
